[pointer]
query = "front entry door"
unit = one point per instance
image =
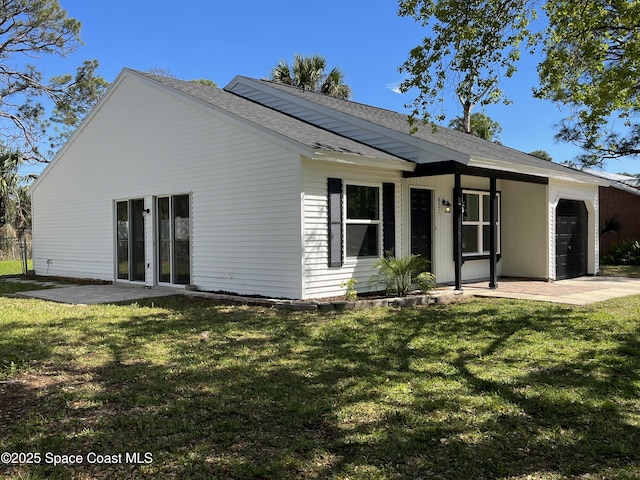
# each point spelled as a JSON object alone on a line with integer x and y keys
{"x": 421, "y": 223}
{"x": 130, "y": 240}
{"x": 571, "y": 239}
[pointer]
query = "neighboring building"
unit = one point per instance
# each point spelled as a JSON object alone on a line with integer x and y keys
{"x": 619, "y": 206}
{"x": 261, "y": 188}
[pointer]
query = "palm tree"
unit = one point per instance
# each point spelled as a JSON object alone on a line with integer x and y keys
{"x": 15, "y": 202}
{"x": 308, "y": 73}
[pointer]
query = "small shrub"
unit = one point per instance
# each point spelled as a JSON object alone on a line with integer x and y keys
{"x": 397, "y": 273}
{"x": 426, "y": 282}
{"x": 626, "y": 252}
{"x": 351, "y": 294}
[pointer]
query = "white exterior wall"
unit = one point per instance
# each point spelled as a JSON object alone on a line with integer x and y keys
{"x": 560, "y": 190}
{"x": 319, "y": 279}
{"x": 525, "y": 230}
{"x": 143, "y": 142}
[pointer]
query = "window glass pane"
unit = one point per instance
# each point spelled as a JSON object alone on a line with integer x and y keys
{"x": 363, "y": 203}
{"x": 486, "y": 215}
{"x": 486, "y": 245}
{"x": 469, "y": 239}
{"x": 471, "y": 207}
{"x": 362, "y": 240}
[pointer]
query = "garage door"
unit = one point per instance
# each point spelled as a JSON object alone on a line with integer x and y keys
{"x": 572, "y": 239}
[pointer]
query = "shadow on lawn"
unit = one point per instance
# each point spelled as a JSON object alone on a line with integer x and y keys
{"x": 415, "y": 393}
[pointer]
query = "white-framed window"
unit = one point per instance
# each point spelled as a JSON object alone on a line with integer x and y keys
{"x": 476, "y": 223}
{"x": 363, "y": 232}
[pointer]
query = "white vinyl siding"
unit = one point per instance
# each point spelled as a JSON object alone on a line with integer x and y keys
{"x": 320, "y": 280}
{"x": 525, "y": 230}
{"x": 146, "y": 142}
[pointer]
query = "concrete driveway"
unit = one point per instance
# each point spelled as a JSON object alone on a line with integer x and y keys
{"x": 576, "y": 291}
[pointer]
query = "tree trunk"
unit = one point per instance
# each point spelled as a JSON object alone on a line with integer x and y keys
{"x": 466, "y": 114}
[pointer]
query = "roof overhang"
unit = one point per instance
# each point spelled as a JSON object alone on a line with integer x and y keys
{"x": 479, "y": 167}
{"x": 451, "y": 167}
{"x": 363, "y": 160}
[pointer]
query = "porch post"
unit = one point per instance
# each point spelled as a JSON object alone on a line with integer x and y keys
{"x": 457, "y": 229}
{"x": 493, "y": 233}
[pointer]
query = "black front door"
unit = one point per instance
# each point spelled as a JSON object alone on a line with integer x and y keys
{"x": 421, "y": 223}
{"x": 572, "y": 240}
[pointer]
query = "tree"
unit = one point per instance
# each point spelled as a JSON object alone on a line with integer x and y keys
{"x": 30, "y": 29}
{"x": 482, "y": 126}
{"x": 591, "y": 64}
{"x": 542, "y": 155}
{"x": 308, "y": 73}
{"x": 15, "y": 202}
{"x": 591, "y": 59}
{"x": 82, "y": 93}
{"x": 471, "y": 46}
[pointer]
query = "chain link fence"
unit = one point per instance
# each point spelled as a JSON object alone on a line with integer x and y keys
{"x": 15, "y": 255}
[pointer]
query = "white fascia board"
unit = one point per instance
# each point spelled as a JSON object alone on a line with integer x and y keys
{"x": 408, "y": 139}
{"x": 363, "y": 161}
{"x": 578, "y": 177}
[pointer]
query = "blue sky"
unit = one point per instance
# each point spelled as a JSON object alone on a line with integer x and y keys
{"x": 218, "y": 40}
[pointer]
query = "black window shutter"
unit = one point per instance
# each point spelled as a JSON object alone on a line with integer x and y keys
{"x": 334, "y": 200}
{"x": 389, "y": 216}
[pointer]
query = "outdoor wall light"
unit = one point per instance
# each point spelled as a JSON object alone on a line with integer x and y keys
{"x": 446, "y": 206}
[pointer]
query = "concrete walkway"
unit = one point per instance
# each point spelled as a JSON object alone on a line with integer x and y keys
{"x": 579, "y": 291}
{"x": 94, "y": 294}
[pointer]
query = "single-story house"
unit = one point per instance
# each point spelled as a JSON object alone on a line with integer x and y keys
{"x": 619, "y": 207}
{"x": 263, "y": 188}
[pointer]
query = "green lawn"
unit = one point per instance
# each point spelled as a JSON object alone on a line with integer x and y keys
{"x": 13, "y": 267}
{"x": 632, "y": 271}
{"x": 482, "y": 389}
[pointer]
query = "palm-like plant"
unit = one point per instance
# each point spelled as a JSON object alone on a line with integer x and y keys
{"x": 308, "y": 73}
{"x": 397, "y": 273}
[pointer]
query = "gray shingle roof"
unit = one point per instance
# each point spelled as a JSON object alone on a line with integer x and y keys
{"x": 263, "y": 117}
{"x": 474, "y": 147}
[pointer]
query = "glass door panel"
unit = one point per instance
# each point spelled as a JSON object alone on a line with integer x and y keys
{"x": 137, "y": 262}
{"x": 130, "y": 243}
{"x": 182, "y": 228}
{"x": 122, "y": 234}
{"x": 174, "y": 239}
{"x": 164, "y": 241}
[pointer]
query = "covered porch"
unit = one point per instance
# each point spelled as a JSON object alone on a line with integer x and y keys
{"x": 503, "y": 231}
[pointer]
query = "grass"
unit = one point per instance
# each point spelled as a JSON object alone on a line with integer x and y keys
{"x": 491, "y": 389}
{"x": 13, "y": 267}
{"x": 632, "y": 271}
